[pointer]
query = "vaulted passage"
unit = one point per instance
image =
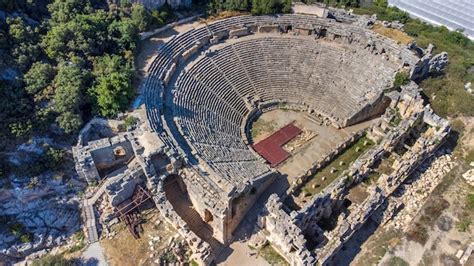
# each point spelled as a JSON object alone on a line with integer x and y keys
{"x": 177, "y": 194}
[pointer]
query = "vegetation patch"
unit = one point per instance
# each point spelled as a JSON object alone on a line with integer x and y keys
{"x": 445, "y": 92}
{"x": 54, "y": 260}
{"x": 271, "y": 255}
{"x": 395, "y": 34}
{"x": 256, "y": 7}
{"x": 463, "y": 225}
{"x": 418, "y": 233}
{"x": 16, "y": 229}
{"x": 324, "y": 177}
{"x": 401, "y": 79}
{"x": 376, "y": 247}
{"x": 262, "y": 128}
{"x": 397, "y": 261}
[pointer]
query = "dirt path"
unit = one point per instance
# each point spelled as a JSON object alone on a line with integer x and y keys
{"x": 94, "y": 255}
{"x": 241, "y": 254}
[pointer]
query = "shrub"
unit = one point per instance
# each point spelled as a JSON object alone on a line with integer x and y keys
{"x": 470, "y": 201}
{"x": 55, "y": 260}
{"x": 401, "y": 79}
{"x": 463, "y": 225}
{"x": 26, "y": 238}
{"x": 130, "y": 121}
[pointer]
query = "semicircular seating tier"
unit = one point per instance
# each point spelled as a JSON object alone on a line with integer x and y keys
{"x": 209, "y": 99}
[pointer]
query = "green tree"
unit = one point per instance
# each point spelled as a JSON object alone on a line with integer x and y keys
{"x": 160, "y": 16}
{"x": 236, "y": 5}
{"x": 38, "y": 77}
{"x": 124, "y": 34}
{"x": 21, "y": 129}
{"x": 69, "y": 122}
{"x": 140, "y": 17}
{"x": 113, "y": 90}
{"x": 69, "y": 96}
{"x": 15, "y": 111}
{"x": 69, "y": 85}
{"x": 84, "y": 35}
{"x": 267, "y": 7}
{"x": 23, "y": 43}
{"x": 63, "y": 11}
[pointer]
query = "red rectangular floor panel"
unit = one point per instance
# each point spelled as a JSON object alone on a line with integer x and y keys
{"x": 271, "y": 147}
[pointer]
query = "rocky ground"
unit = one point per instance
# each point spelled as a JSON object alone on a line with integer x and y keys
{"x": 159, "y": 244}
{"x": 37, "y": 212}
{"x": 434, "y": 225}
{"x": 413, "y": 193}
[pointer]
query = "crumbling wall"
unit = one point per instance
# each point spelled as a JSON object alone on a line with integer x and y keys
{"x": 202, "y": 251}
{"x": 376, "y": 108}
{"x": 285, "y": 228}
{"x": 284, "y": 235}
{"x": 245, "y": 199}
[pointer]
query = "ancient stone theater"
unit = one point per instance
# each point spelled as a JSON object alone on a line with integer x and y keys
{"x": 326, "y": 86}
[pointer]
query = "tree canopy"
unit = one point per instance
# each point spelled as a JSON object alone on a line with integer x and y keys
{"x": 54, "y": 64}
{"x": 256, "y": 7}
{"x": 113, "y": 89}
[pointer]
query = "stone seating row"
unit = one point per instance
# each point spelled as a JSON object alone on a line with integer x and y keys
{"x": 212, "y": 97}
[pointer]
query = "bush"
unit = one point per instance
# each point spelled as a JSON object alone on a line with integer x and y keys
{"x": 463, "y": 225}
{"x": 159, "y": 17}
{"x": 130, "y": 121}
{"x": 401, "y": 79}
{"x": 470, "y": 201}
{"x": 26, "y": 238}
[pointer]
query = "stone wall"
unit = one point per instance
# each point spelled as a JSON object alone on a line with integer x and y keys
{"x": 317, "y": 165}
{"x": 284, "y": 235}
{"x": 285, "y": 229}
{"x": 202, "y": 251}
{"x": 376, "y": 108}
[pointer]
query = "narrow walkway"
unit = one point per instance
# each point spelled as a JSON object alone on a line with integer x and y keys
{"x": 93, "y": 256}
{"x": 90, "y": 222}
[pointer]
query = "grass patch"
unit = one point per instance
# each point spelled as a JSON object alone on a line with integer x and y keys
{"x": 223, "y": 15}
{"x": 316, "y": 184}
{"x": 377, "y": 246}
{"x": 395, "y": 34}
{"x": 261, "y": 127}
{"x": 397, "y": 261}
{"x": 54, "y": 260}
{"x": 463, "y": 225}
{"x": 445, "y": 92}
{"x": 372, "y": 178}
{"x": 272, "y": 256}
{"x": 470, "y": 201}
{"x": 469, "y": 157}
{"x": 79, "y": 242}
